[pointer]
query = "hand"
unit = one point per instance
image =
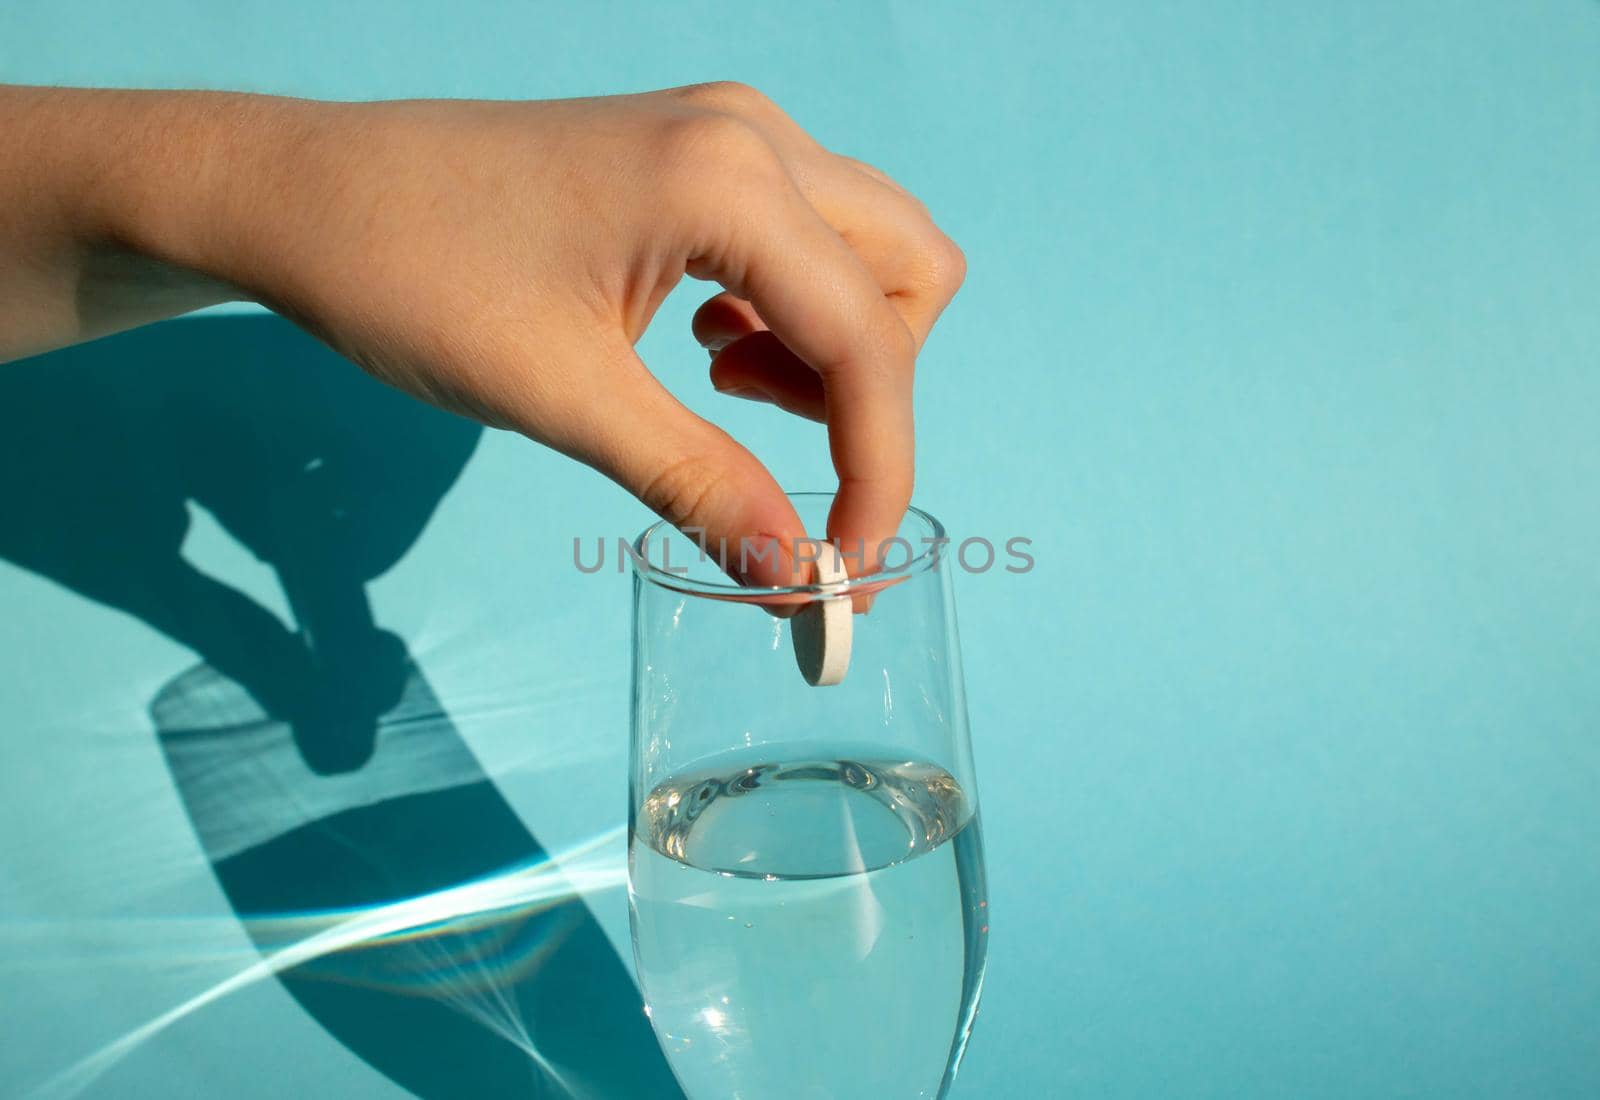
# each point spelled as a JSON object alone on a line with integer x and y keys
{"x": 501, "y": 259}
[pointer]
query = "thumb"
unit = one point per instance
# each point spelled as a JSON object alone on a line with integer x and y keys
{"x": 691, "y": 473}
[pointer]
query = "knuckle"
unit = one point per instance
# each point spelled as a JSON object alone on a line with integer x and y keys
{"x": 684, "y": 489}
{"x": 715, "y": 161}
{"x": 727, "y": 95}
{"x": 950, "y": 264}
{"x": 882, "y": 348}
{"x": 894, "y": 348}
{"x": 717, "y": 141}
{"x": 894, "y": 483}
{"x": 865, "y": 166}
{"x": 940, "y": 266}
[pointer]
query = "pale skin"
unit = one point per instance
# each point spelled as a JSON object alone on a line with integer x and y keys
{"x": 501, "y": 259}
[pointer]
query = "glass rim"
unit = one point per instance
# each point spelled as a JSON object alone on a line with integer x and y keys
{"x": 727, "y": 588}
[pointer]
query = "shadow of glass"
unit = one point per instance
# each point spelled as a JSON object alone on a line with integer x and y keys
{"x": 321, "y": 774}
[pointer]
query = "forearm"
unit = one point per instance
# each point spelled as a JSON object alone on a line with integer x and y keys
{"x": 502, "y": 259}
{"x": 121, "y": 207}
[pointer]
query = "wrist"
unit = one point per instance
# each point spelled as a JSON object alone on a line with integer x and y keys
{"x": 187, "y": 180}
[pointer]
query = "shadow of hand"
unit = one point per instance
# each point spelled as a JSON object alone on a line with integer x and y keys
{"x": 321, "y": 774}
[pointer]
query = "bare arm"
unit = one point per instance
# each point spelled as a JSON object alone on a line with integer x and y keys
{"x": 501, "y": 259}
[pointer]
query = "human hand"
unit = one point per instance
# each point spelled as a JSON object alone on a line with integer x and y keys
{"x": 501, "y": 259}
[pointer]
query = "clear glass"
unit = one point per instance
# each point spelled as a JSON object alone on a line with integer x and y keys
{"x": 806, "y": 880}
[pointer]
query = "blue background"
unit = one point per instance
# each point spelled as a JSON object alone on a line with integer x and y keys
{"x": 1281, "y": 342}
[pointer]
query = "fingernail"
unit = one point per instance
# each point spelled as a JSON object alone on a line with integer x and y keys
{"x": 748, "y": 393}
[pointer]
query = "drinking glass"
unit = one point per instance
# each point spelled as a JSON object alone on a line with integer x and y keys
{"x": 806, "y": 877}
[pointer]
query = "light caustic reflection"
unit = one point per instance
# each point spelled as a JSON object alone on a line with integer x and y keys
{"x": 402, "y": 901}
{"x": 454, "y": 939}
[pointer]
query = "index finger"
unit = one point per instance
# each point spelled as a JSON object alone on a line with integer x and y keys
{"x": 817, "y": 296}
